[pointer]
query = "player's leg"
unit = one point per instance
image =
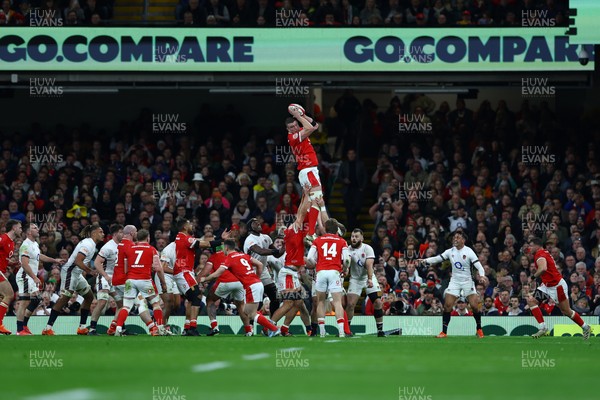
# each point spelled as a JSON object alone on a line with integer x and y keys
{"x": 474, "y": 301}
{"x": 154, "y": 300}
{"x": 67, "y": 291}
{"x": 35, "y": 300}
{"x": 7, "y": 297}
{"x": 310, "y": 177}
{"x": 321, "y": 297}
{"x": 351, "y": 300}
{"x": 102, "y": 296}
{"x": 255, "y": 294}
{"x": 24, "y": 301}
{"x": 339, "y": 312}
{"x": 449, "y": 300}
{"x": 84, "y": 289}
{"x": 305, "y": 317}
{"x": 375, "y": 298}
{"x": 534, "y": 301}
{"x": 128, "y": 302}
{"x": 563, "y": 304}
{"x": 119, "y": 291}
{"x": 271, "y": 292}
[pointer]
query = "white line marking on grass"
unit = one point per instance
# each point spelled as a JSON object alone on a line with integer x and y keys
{"x": 213, "y": 366}
{"x": 73, "y": 394}
{"x": 292, "y": 349}
{"x": 332, "y": 341}
{"x": 258, "y": 356}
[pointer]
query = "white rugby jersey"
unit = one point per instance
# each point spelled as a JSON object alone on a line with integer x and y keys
{"x": 263, "y": 241}
{"x": 359, "y": 257}
{"x": 169, "y": 255}
{"x": 463, "y": 261}
{"x": 31, "y": 250}
{"x": 87, "y": 247}
{"x": 110, "y": 253}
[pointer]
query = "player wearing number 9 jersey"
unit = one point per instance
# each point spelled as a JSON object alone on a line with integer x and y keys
{"x": 463, "y": 259}
{"x": 242, "y": 267}
{"x": 328, "y": 253}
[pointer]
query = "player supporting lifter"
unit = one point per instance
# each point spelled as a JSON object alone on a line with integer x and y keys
{"x": 306, "y": 158}
{"x": 463, "y": 259}
{"x": 7, "y": 249}
{"x": 72, "y": 280}
{"x": 242, "y": 267}
{"x": 27, "y": 281}
{"x": 226, "y": 285}
{"x": 288, "y": 284}
{"x": 142, "y": 259}
{"x": 328, "y": 253}
{"x": 553, "y": 287}
{"x": 104, "y": 263}
{"x": 362, "y": 277}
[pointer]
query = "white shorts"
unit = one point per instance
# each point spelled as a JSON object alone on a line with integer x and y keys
{"x": 171, "y": 285}
{"x": 458, "y": 289}
{"x": 185, "y": 280}
{"x": 145, "y": 287}
{"x": 233, "y": 289}
{"x": 102, "y": 284}
{"x": 356, "y": 286}
{"x": 329, "y": 280}
{"x": 309, "y": 176}
{"x": 255, "y": 293}
{"x": 119, "y": 292}
{"x": 558, "y": 293}
{"x": 26, "y": 284}
{"x": 73, "y": 282}
{"x": 287, "y": 279}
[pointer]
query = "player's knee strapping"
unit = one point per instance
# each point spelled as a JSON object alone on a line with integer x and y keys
{"x": 193, "y": 296}
{"x": 33, "y": 304}
{"x": 23, "y": 298}
{"x": 103, "y": 296}
{"x": 315, "y": 194}
{"x": 374, "y": 296}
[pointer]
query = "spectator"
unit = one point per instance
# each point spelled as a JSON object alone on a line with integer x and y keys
{"x": 243, "y": 13}
{"x": 353, "y": 176}
{"x": 219, "y": 10}
{"x": 514, "y": 307}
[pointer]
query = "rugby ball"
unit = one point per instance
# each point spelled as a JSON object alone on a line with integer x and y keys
{"x": 293, "y": 107}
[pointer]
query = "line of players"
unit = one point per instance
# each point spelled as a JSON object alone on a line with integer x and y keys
{"x": 125, "y": 268}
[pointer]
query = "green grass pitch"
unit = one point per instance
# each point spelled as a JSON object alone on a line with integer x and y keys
{"x": 235, "y": 367}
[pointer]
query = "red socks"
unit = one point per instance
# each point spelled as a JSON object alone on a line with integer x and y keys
{"x": 537, "y": 313}
{"x": 577, "y": 319}
{"x": 265, "y": 322}
{"x": 122, "y": 316}
{"x": 346, "y": 324}
{"x": 158, "y": 316}
{"x": 313, "y": 214}
{"x": 214, "y": 324}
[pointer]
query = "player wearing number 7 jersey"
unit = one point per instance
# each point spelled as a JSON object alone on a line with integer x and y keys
{"x": 328, "y": 253}
{"x": 463, "y": 260}
{"x": 242, "y": 267}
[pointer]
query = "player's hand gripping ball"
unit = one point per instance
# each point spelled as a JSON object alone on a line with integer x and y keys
{"x": 295, "y": 108}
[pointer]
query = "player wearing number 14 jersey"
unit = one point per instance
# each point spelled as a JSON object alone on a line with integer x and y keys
{"x": 328, "y": 253}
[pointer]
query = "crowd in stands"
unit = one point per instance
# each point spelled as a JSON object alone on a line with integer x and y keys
{"x": 393, "y": 13}
{"x": 468, "y": 173}
{"x": 55, "y": 13}
{"x": 303, "y": 13}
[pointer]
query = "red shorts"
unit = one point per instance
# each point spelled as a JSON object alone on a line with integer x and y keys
{"x": 254, "y": 293}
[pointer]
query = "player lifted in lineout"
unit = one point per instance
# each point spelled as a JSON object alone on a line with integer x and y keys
{"x": 306, "y": 158}
{"x": 463, "y": 259}
{"x": 553, "y": 287}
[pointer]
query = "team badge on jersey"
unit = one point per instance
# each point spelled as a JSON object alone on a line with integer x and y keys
{"x": 295, "y": 136}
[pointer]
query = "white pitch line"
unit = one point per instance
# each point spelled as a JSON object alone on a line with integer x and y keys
{"x": 332, "y": 341}
{"x": 258, "y": 356}
{"x": 292, "y": 349}
{"x": 213, "y": 366}
{"x": 74, "y": 394}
